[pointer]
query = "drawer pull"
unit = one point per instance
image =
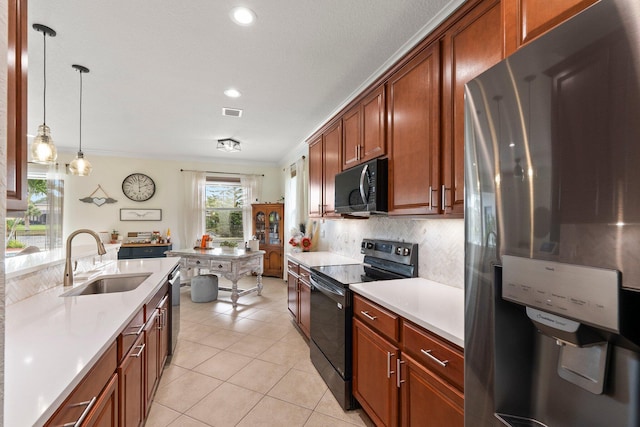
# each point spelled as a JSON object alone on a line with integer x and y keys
{"x": 141, "y": 327}
{"x": 435, "y": 359}
{"x": 398, "y": 380}
{"x": 139, "y": 353}
{"x": 389, "y": 371}
{"x": 219, "y": 265}
{"x": 367, "y": 315}
{"x": 89, "y": 405}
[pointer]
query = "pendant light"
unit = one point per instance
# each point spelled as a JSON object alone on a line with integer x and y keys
{"x": 80, "y": 166}
{"x": 42, "y": 148}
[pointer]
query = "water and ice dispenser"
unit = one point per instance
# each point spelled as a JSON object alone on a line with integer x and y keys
{"x": 566, "y": 346}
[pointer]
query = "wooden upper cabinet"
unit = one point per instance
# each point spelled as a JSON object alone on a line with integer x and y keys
{"x": 472, "y": 45}
{"x": 413, "y": 131}
{"x": 315, "y": 177}
{"x": 363, "y": 126}
{"x": 324, "y": 163}
{"x": 17, "y": 106}
{"x": 332, "y": 144}
{"x": 528, "y": 19}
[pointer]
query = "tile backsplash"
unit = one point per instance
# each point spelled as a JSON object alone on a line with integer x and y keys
{"x": 440, "y": 242}
{"x": 21, "y": 286}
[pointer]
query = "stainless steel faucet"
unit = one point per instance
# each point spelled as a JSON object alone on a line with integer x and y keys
{"x": 68, "y": 271}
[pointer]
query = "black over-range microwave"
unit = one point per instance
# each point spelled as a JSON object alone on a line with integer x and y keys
{"x": 362, "y": 190}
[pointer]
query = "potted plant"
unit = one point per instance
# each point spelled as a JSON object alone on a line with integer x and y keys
{"x": 228, "y": 246}
{"x": 114, "y": 236}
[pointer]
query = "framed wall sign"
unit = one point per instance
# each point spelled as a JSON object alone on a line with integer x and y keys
{"x": 140, "y": 214}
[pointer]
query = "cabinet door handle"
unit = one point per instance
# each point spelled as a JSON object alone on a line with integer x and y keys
{"x": 141, "y": 327}
{"x": 431, "y": 205}
{"x": 367, "y": 315}
{"x": 435, "y": 359}
{"x": 139, "y": 353}
{"x": 398, "y": 380}
{"x": 79, "y": 421}
{"x": 159, "y": 319}
{"x": 389, "y": 371}
{"x": 443, "y": 196}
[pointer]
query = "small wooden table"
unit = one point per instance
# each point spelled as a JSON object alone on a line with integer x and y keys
{"x": 233, "y": 265}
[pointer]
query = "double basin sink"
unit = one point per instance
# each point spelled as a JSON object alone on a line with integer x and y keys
{"x": 109, "y": 283}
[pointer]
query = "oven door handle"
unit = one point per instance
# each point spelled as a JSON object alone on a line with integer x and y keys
{"x": 334, "y": 294}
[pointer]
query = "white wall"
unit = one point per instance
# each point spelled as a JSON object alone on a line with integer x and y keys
{"x": 109, "y": 172}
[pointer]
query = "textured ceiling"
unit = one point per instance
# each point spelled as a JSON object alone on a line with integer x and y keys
{"x": 159, "y": 69}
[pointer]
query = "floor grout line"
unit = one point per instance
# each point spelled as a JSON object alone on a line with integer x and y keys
{"x": 270, "y": 318}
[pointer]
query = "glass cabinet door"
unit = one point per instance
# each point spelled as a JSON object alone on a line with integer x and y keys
{"x": 274, "y": 228}
{"x": 260, "y": 227}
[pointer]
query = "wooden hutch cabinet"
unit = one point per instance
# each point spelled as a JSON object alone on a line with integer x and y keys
{"x": 268, "y": 227}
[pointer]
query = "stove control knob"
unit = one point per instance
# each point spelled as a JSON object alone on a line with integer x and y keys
{"x": 406, "y": 251}
{"x": 369, "y": 245}
{"x": 398, "y": 250}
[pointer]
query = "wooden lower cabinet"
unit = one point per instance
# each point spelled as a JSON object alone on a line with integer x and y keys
{"x": 93, "y": 398}
{"x": 395, "y": 380}
{"x": 374, "y": 379}
{"x": 299, "y": 295}
{"x": 152, "y": 351}
{"x": 119, "y": 388}
{"x": 427, "y": 400}
{"x": 131, "y": 385}
{"x": 105, "y": 413}
{"x": 156, "y": 348}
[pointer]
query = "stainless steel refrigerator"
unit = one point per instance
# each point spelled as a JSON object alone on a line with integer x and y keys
{"x": 552, "y": 228}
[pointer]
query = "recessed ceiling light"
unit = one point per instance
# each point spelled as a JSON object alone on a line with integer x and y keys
{"x": 232, "y": 93}
{"x": 243, "y": 16}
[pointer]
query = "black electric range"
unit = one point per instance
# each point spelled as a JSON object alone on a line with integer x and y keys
{"x": 331, "y": 307}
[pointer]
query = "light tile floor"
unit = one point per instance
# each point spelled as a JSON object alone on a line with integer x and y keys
{"x": 244, "y": 367}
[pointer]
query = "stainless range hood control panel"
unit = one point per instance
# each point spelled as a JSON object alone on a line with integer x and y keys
{"x": 586, "y": 294}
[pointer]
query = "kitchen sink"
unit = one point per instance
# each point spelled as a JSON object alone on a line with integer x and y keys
{"x": 109, "y": 284}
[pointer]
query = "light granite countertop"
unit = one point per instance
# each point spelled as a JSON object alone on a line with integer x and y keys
{"x": 51, "y": 342}
{"x": 312, "y": 259}
{"x": 436, "y": 307}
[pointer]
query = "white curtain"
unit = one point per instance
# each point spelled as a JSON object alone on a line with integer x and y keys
{"x": 55, "y": 199}
{"x": 252, "y": 193}
{"x": 301, "y": 199}
{"x": 193, "y": 201}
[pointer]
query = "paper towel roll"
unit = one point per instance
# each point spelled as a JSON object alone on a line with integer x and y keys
{"x": 254, "y": 245}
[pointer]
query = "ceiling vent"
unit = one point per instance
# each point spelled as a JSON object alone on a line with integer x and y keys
{"x": 231, "y": 112}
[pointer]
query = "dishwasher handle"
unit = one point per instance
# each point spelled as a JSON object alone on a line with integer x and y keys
{"x": 338, "y": 295}
{"x": 174, "y": 276}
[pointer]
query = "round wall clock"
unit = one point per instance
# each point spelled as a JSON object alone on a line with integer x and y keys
{"x": 138, "y": 187}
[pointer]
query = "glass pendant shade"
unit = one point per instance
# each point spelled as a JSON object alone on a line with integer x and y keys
{"x": 80, "y": 166}
{"x": 43, "y": 149}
